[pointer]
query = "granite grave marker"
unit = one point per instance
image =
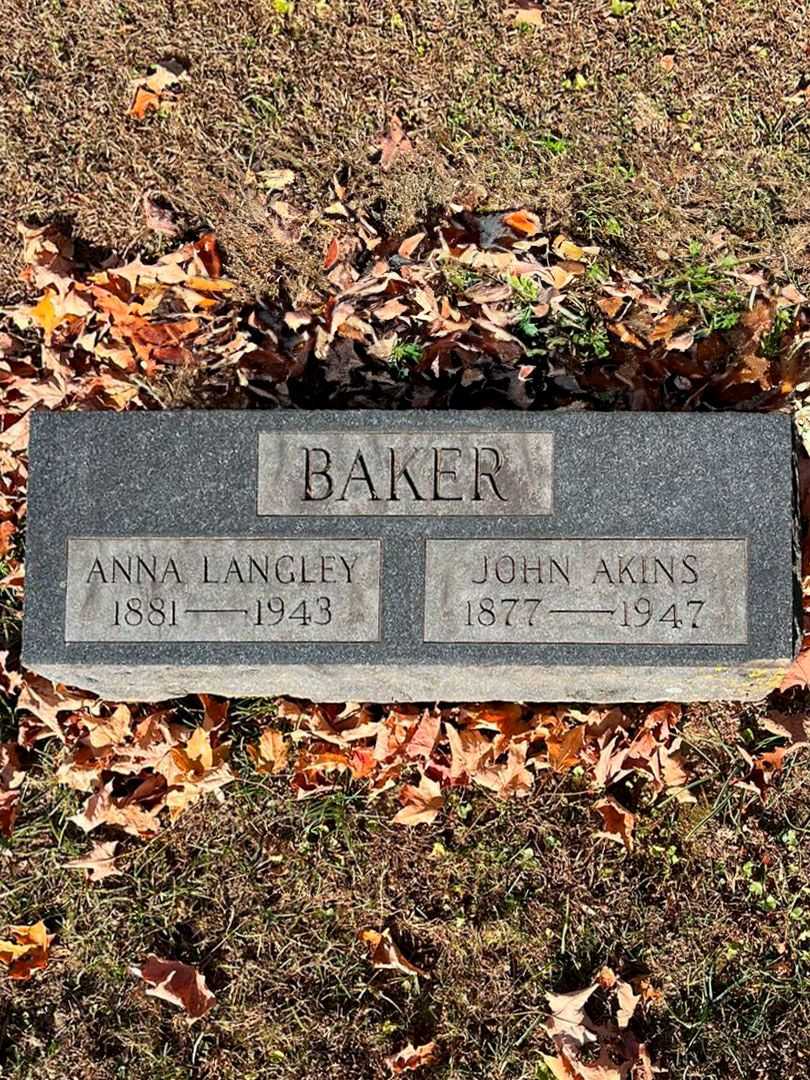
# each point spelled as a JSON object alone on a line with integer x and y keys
{"x": 412, "y": 556}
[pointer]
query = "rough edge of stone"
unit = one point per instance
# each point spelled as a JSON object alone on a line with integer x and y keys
{"x": 798, "y": 598}
{"x": 410, "y": 683}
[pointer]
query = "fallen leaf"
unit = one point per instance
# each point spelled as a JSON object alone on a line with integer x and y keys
{"x": 627, "y": 1001}
{"x": 159, "y": 214}
{"x": 789, "y": 726}
{"x": 143, "y": 102}
{"x": 157, "y": 88}
{"x": 525, "y": 13}
{"x": 567, "y": 1015}
{"x": 421, "y": 804}
{"x": 395, "y": 143}
{"x": 271, "y": 752}
{"x": 332, "y": 254}
{"x": 618, "y": 821}
{"x": 9, "y": 809}
{"x": 109, "y": 730}
{"x": 46, "y": 701}
{"x": 276, "y": 179}
{"x": 384, "y": 953}
{"x": 99, "y": 863}
{"x": 799, "y": 672}
{"x": 27, "y": 951}
{"x": 178, "y": 983}
{"x": 523, "y": 221}
{"x": 412, "y": 1057}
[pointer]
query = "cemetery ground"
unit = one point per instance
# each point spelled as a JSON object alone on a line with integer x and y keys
{"x": 653, "y": 158}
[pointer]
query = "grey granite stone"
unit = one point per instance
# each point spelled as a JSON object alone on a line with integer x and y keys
{"x": 412, "y": 556}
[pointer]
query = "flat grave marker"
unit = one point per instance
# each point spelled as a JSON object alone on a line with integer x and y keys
{"x": 412, "y": 556}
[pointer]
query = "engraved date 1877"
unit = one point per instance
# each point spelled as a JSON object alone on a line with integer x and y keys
{"x": 529, "y": 611}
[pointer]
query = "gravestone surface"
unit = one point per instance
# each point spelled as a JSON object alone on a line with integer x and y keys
{"x": 412, "y": 556}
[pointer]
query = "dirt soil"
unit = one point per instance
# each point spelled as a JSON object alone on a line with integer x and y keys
{"x": 646, "y": 129}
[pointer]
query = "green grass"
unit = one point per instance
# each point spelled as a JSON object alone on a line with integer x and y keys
{"x": 498, "y": 902}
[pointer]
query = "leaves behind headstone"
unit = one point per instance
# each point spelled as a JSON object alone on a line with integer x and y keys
{"x": 178, "y": 983}
{"x": 27, "y": 951}
{"x": 412, "y": 1057}
{"x": 385, "y": 953}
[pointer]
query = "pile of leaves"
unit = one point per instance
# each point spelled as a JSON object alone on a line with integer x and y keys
{"x": 476, "y": 310}
{"x": 131, "y": 766}
{"x": 504, "y": 748}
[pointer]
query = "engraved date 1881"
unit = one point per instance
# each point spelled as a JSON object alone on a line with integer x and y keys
{"x": 157, "y": 611}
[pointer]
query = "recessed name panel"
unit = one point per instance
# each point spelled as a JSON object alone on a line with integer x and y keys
{"x": 588, "y": 591}
{"x": 224, "y": 589}
{"x": 405, "y": 474}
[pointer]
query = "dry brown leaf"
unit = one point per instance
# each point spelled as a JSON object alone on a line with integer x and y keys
{"x": 271, "y": 752}
{"x": 798, "y": 673}
{"x": 795, "y": 727}
{"x": 9, "y": 809}
{"x": 276, "y": 179}
{"x": 27, "y": 951}
{"x": 523, "y": 221}
{"x": 525, "y": 13}
{"x": 618, "y": 821}
{"x": 157, "y": 88}
{"x": 395, "y": 143}
{"x": 109, "y": 730}
{"x": 627, "y": 1001}
{"x": 99, "y": 863}
{"x": 564, "y": 748}
{"x": 178, "y": 983}
{"x": 413, "y": 1057}
{"x": 46, "y": 701}
{"x": 159, "y": 215}
{"x": 385, "y": 953}
{"x": 421, "y": 805}
{"x": 567, "y": 1015}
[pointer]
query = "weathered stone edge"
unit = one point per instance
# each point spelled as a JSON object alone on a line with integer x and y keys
{"x": 339, "y": 682}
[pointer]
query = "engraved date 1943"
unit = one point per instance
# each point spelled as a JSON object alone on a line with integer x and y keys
{"x": 157, "y": 611}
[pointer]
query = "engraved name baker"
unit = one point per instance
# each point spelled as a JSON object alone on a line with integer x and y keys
{"x": 424, "y": 473}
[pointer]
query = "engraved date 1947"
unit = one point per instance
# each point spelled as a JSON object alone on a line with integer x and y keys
{"x": 635, "y": 614}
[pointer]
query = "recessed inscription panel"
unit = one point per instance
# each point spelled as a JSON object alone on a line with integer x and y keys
{"x": 142, "y": 589}
{"x": 578, "y": 591}
{"x": 354, "y": 473}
